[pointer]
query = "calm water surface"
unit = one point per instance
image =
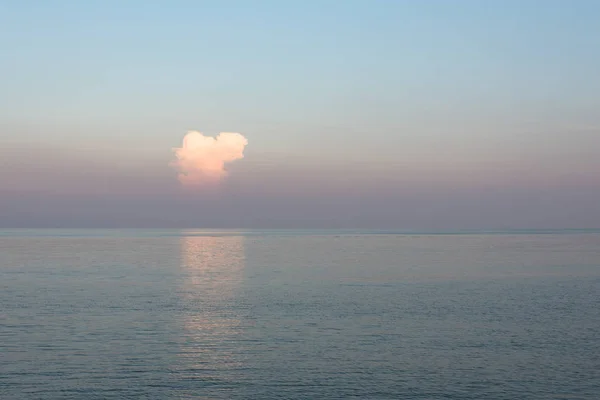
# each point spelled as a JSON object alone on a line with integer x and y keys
{"x": 298, "y": 315}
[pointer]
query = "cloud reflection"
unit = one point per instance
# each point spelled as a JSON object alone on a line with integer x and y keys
{"x": 213, "y": 273}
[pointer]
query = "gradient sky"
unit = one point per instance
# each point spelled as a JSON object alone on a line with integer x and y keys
{"x": 372, "y": 113}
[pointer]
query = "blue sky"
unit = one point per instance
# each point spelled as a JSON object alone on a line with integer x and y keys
{"x": 347, "y": 94}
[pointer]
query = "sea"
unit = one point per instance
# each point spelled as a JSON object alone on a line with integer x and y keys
{"x": 287, "y": 314}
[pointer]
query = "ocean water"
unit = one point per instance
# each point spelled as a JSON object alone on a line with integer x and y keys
{"x": 299, "y": 315}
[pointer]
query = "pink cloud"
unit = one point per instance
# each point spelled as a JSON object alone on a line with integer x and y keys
{"x": 202, "y": 159}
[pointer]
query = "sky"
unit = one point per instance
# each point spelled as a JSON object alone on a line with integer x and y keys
{"x": 417, "y": 115}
